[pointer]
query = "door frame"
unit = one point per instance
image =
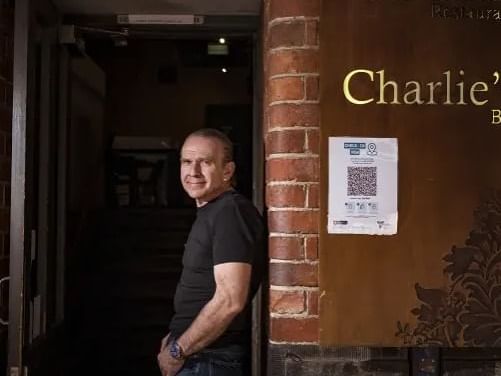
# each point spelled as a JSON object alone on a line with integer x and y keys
{"x": 20, "y": 244}
{"x": 18, "y": 239}
{"x": 246, "y": 26}
{"x": 30, "y": 17}
{"x": 259, "y": 307}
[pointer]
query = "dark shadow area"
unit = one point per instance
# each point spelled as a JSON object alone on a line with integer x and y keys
{"x": 131, "y": 108}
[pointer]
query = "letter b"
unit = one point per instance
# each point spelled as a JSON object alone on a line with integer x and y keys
{"x": 496, "y": 117}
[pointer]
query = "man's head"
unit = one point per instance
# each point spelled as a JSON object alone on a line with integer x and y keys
{"x": 207, "y": 165}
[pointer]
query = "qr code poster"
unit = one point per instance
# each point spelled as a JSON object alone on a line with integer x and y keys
{"x": 363, "y": 183}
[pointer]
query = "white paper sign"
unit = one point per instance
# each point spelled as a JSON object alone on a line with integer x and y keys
{"x": 159, "y": 19}
{"x": 363, "y": 179}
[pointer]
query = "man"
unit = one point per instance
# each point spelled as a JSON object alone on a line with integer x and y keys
{"x": 222, "y": 264}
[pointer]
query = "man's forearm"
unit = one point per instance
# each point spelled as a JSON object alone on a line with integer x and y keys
{"x": 210, "y": 323}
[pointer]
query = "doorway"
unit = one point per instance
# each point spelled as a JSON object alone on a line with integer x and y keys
{"x": 121, "y": 104}
{"x": 132, "y": 103}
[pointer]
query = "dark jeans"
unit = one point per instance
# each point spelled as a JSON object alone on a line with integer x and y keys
{"x": 227, "y": 361}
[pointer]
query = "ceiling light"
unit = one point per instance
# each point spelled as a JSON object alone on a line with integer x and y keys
{"x": 224, "y": 70}
{"x": 222, "y": 41}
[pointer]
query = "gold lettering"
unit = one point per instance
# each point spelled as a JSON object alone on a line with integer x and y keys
{"x": 346, "y": 86}
{"x": 448, "y": 87}
{"x": 460, "y": 85}
{"x": 416, "y": 92}
{"x": 455, "y": 90}
{"x": 496, "y": 117}
{"x": 436, "y": 10}
{"x": 382, "y": 87}
{"x": 433, "y": 86}
{"x": 473, "y": 89}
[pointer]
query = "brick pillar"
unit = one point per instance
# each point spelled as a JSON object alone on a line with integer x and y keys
{"x": 6, "y": 51}
{"x": 291, "y": 131}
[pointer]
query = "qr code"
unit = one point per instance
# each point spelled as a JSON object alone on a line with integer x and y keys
{"x": 362, "y": 181}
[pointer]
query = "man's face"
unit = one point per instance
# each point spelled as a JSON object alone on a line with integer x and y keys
{"x": 204, "y": 174}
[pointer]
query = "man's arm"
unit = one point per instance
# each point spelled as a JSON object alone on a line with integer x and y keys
{"x": 232, "y": 290}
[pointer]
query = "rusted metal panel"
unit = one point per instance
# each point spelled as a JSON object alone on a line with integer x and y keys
{"x": 434, "y": 283}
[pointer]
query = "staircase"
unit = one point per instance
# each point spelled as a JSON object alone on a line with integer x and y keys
{"x": 127, "y": 291}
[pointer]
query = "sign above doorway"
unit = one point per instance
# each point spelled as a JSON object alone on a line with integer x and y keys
{"x": 159, "y": 19}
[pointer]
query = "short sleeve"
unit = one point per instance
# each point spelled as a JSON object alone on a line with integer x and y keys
{"x": 236, "y": 232}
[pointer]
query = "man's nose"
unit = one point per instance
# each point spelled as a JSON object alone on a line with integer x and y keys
{"x": 195, "y": 168}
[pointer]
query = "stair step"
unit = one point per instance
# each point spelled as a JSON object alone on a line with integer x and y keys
{"x": 124, "y": 302}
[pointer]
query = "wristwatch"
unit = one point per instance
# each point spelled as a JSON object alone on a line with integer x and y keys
{"x": 176, "y": 351}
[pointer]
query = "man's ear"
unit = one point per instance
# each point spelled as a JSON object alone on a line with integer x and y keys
{"x": 229, "y": 170}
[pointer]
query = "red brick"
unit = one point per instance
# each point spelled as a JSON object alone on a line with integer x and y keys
{"x": 294, "y": 8}
{"x": 288, "y": 141}
{"x": 312, "y": 89}
{"x": 294, "y": 329}
{"x": 312, "y": 299}
{"x": 312, "y": 34}
{"x": 294, "y": 61}
{"x": 313, "y": 136}
{"x": 287, "y": 34}
{"x": 311, "y": 248}
{"x": 293, "y": 222}
{"x": 290, "y": 302}
{"x": 288, "y": 274}
{"x": 286, "y": 88}
{"x": 283, "y": 196}
{"x": 292, "y": 115}
{"x": 300, "y": 169}
{"x": 314, "y": 196}
{"x": 286, "y": 248}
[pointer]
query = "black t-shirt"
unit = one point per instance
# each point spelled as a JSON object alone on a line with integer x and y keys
{"x": 227, "y": 229}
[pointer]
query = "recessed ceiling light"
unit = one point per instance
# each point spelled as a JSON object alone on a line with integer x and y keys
{"x": 222, "y": 41}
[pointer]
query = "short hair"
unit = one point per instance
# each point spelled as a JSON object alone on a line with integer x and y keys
{"x": 217, "y": 135}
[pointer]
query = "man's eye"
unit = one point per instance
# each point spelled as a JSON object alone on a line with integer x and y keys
{"x": 207, "y": 162}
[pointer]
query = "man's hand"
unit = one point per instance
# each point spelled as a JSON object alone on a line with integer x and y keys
{"x": 168, "y": 365}
{"x": 164, "y": 342}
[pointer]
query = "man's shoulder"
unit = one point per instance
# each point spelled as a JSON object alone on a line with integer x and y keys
{"x": 234, "y": 199}
{"x": 233, "y": 202}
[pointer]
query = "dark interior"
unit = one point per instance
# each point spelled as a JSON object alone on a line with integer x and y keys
{"x": 132, "y": 104}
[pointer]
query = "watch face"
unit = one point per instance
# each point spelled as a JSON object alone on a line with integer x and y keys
{"x": 175, "y": 350}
